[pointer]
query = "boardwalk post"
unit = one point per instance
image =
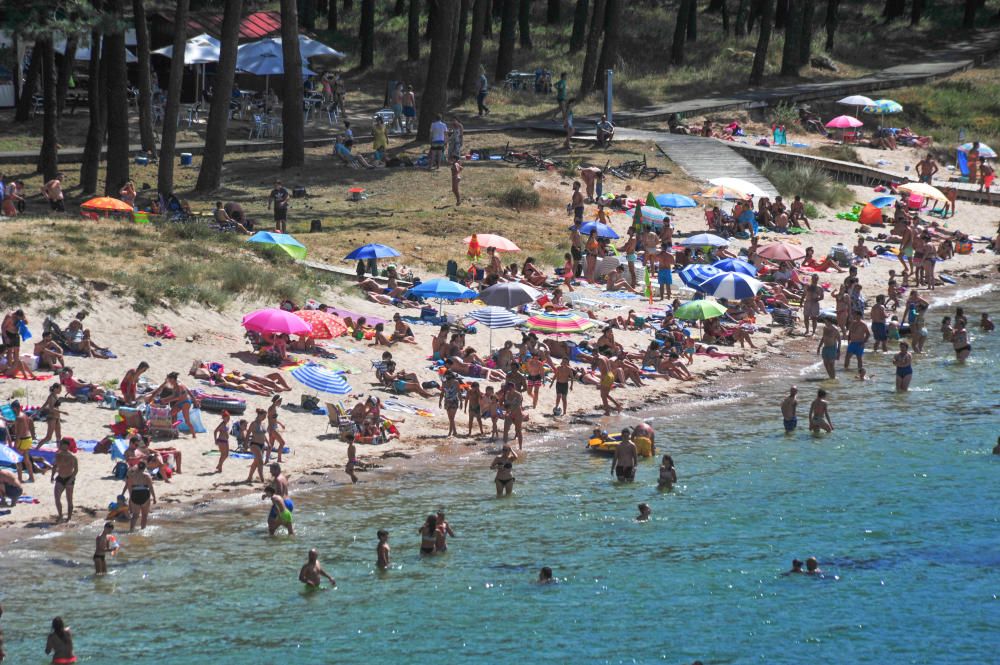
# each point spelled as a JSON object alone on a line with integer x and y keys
{"x": 608, "y": 93}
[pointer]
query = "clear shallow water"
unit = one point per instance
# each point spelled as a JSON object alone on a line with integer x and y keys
{"x": 899, "y": 504}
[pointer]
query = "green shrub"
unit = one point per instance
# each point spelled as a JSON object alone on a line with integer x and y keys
{"x": 844, "y": 153}
{"x": 784, "y": 113}
{"x": 807, "y": 181}
{"x": 518, "y": 197}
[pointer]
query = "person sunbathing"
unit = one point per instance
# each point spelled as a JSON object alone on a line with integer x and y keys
{"x": 274, "y": 381}
{"x": 531, "y": 274}
{"x": 78, "y": 388}
{"x": 606, "y": 344}
{"x": 473, "y": 370}
{"x": 716, "y": 332}
{"x": 822, "y": 266}
{"x": 402, "y": 382}
{"x": 50, "y": 354}
{"x": 627, "y": 371}
{"x": 228, "y": 381}
{"x": 672, "y": 366}
{"x": 616, "y": 281}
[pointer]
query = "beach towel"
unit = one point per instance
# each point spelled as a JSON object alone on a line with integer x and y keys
{"x": 28, "y": 499}
{"x": 199, "y": 428}
{"x": 622, "y": 295}
{"x": 98, "y": 353}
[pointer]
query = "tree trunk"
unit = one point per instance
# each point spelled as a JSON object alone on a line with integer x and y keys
{"x": 969, "y": 17}
{"x": 348, "y": 6}
{"x": 781, "y": 9}
{"x": 893, "y": 9}
{"x": 832, "y": 11}
{"x": 916, "y": 12}
{"x": 146, "y": 136}
{"x": 725, "y": 18}
{"x": 292, "y": 118}
{"x": 23, "y": 111}
{"x": 552, "y": 12}
{"x": 95, "y": 126}
{"x": 168, "y": 139}
{"x": 680, "y": 33}
{"x": 715, "y": 6}
{"x": 740, "y": 29}
{"x": 400, "y": 8}
{"x": 593, "y": 44}
{"x": 65, "y": 72}
{"x": 436, "y": 85}
{"x": 524, "y": 23}
{"x": 793, "y": 29}
{"x": 806, "y": 35}
{"x": 692, "y": 25}
{"x": 48, "y": 156}
{"x": 508, "y": 28}
{"x": 763, "y": 41}
{"x": 331, "y": 16}
{"x": 473, "y": 65}
{"x": 366, "y": 34}
{"x": 458, "y": 49}
{"x": 210, "y": 175}
{"x": 609, "y": 50}
{"x": 413, "y": 32}
{"x": 117, "y": 173}
{"x": 579, "y": 35}
{"x": 307, "y": 13}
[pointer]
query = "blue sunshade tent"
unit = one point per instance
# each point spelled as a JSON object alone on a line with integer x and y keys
{"x": 731, "y": 285}
{"x": 445, "y": 289}
{"x": 293, "y": 247}
{"x": 603, "y": 230}
{"x": 321, "y": 379}
{"x": 371, "y": 251}
{"x": 736, "y": 265}
{"x": 694, "y": 275}
{"x": 675, "y": 201}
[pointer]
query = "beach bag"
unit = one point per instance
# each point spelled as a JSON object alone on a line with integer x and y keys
{"x": 309, "y": 402}
{"x": 120, "y": 471}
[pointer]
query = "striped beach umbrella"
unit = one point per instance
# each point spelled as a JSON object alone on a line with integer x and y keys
{"x": 550, "y": 322}
{"x": 495, "y": 317}
{"x": 736, "y": 265}
{"x": 731, "y": 285}
{"x": 321, "y": 379}
{"x": 984, "y": 150}
{"x": 695, "y": 274}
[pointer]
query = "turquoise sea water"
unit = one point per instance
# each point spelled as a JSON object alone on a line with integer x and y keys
{"x": 900, "y": 505}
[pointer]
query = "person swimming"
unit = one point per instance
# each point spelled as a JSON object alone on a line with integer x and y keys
{"x": 545, "y": 576}
{"x": 644, "y": 513}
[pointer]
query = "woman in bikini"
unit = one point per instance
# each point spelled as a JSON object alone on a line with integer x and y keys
{"x": 51, "y": 413}
{"x": 401, "y": 331}
{"x": 428, "y": 536}
{"x": 139, "y": 485}
{"x": 273, "y": 424}
{"x": 258, "y": 444}
{"x": 904, "y": 367}
{"x": 512, "y": 401}
{"x": 176, "y": 395}
{"x": 503, "y": 464}
{"x": 473, "y": 370}
{"x": 60, "y": 643}
{"x": 222, "y": 440}
{"x": 960, "y": 341}
{"x": 450, "y": 397}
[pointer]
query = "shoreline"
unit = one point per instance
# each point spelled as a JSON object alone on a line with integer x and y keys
{"x": 789, "y": 352}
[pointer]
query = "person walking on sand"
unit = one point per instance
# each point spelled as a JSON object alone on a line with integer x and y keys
{"x": 439, "y": 134}
{"x": 560, "y": 87}
{"x": 625, "y": 458}
{"x": 64, "y": 471}
{"x": 857, "y": 336}
{"x": 456, "y": 181}
{"x": 139, "y": 486}
{"x": 829, "y": 348}
{"x": 788, "y": 409}
{"x": 53, "y": 193}
{"x": 60, "y": 643}
{"x": 278, "y": 198}
{"x": 475, "y": 399}
{"x": 503, "y": 464}
{"x": 409, "y": 100}
{"x": 819, "y": 414}
{"x": 568, "y": 123}
{"x": 383, "y": 553}
{"x": 986, "y": 177}
{"x": 104, "y": 546}
{"x": 903, "y": 362}
{"x": 563, "y": 380}
{"x": 222, "y": 440}
{"x": 312, "y": 572}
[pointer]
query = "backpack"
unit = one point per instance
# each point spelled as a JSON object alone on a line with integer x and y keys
{"x": 120, "y": 471}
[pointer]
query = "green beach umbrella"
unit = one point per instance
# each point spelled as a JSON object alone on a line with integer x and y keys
{"x": 699, "y": 310}
{"x": 292, "y": 247}
{"x": 652, "y": 202}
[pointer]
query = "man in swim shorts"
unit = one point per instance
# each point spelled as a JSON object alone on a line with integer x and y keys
{"x": 857, "y": 337}
{"x": 829, "y": 348}
{"x": 311, "y": 573}
{"x": 278, "y": 480}
{"x": 576, "y": 203}
{"x": 788, "y": 407}
{"x": 102, "y": 548}
{"x": 563, "y": 379}
{"x": 819, "y": 415}
{"x": 24, "y": 438}
{"x": 880, "y": 331}
{"x": 625, "y": 458}
{"x": 664, "y": 275}
{"x": 280, "y": 514}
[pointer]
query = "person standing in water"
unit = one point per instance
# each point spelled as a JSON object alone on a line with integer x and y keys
{"x": 644, "y": 513}
{"x": 311, "y": 573}
{"x": 668, "y": 474}
{"x": 904, "y": 367}
{"x": 102, "y": 548}
{"x": 428, "y": 536}
{"x": 788, "y": 408}
{"x": 352, "y": 461}
{"x": 443, "y": 531}
{"x": 829, "y": 348}
{"x": 819, "y": 414}
{"x": 60, "y": 643}
{"x": 383, "y": 551}
{"x": 64, "y": 472}
{"x": 281, "y": 512}
{"x": 503, "y": 464}
{"x": 960, "y": 341}
{"x": 857, "y": 336}
{"x": 139, "y": 485}
{"x": 625, "y": 458}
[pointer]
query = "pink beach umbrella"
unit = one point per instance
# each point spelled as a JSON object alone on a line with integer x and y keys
{"x": 844, "y": 122}
{"x": 500, "y": 243}
{"x": 273, "y": 320}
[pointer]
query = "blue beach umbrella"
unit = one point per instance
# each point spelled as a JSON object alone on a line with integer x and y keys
{"x": 293, "y": 247}
{"x": 731, "y": 285}
{"x": 884, "y": 107}
{"x": 445, "y": 289}
{"x": 603, "y": 230}
{"x": 694, "y": 275}
{"x": 371, "y": 251}
{"x": 9, "y": 456}
{"x": 736, "y": 265}
{"x": 984, "y": 150}
{"x": 884, "y": 201}
{"x": 675, "y": 201}
{"x": 321, "y": 379}
{"x": 650, "y": 215}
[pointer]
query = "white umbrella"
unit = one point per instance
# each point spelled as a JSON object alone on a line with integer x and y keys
{"x": 704, "y": 240}
{"x": 857, "y": 101}
{"x": 83, "y": 51}
{"x": 198, "y": 50}
{"x": 740, "y": 185}
{"x": 310, "y": 48}
{"x": 510, "y": 294}
{"x": 495, "y": 317}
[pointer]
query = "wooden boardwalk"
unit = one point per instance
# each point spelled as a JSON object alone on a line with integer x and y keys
{"x": 704, "y": 159}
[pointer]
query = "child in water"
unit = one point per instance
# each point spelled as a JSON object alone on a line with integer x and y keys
{"x": 668, "y": 475}
{"x": 382, "y": 550}
{"x": 644, "y": 513}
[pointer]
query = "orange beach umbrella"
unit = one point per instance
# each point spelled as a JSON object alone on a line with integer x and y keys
{"x": 106, "y": 204}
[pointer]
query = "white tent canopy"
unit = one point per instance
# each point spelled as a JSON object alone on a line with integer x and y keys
{"x": 198, "y": 50}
